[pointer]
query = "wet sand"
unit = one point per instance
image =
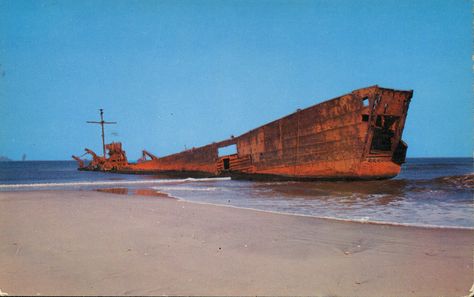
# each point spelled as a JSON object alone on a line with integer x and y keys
{"x": 94, "y": 243}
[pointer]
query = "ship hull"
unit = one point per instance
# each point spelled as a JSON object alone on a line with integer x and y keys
{"x": 354, "y": 136}
{"x": 385, "y": 170}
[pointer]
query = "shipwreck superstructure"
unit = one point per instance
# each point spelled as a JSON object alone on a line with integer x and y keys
{"x": 354, "y": 136}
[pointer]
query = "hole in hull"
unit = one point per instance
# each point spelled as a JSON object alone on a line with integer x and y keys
{"x": 226, "y": 163}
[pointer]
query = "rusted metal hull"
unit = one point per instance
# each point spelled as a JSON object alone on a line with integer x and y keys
{"x": 354, "y": 136}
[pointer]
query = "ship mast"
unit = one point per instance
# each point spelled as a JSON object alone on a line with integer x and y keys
{"x": 102, "y": 123}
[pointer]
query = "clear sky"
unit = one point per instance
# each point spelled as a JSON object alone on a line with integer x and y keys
{"x": 176, "y": 73}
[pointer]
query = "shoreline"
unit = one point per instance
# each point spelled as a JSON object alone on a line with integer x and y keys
{"x": 458, "y": 219}
{"x": 408, "y": 225}
{"x": 146, "y": 192}
{"x": 62, "y": 242}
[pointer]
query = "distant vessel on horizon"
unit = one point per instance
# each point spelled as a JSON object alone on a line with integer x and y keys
{"x": 354, "y": 136}
{"x": 5, "y": 159}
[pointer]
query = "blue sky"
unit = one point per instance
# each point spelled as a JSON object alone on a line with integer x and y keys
{"x": 186, "y": 73}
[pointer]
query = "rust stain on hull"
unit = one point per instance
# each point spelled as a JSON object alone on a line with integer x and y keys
{"x": 354, "y": 136}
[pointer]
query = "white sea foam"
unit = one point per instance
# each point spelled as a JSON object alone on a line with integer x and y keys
{"x": 186, "y": 188}
{"x": 111, "y": 183}
{"x": 363, "y": 220}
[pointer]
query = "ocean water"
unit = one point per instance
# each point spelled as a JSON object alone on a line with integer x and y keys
{"x": 428, "y": 192}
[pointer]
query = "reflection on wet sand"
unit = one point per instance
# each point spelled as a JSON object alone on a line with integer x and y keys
{"x": 141, "y": 192}
{"x": 122, "y": 191}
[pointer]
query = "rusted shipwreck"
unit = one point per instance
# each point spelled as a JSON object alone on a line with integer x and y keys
{"x": 354, "y": 136}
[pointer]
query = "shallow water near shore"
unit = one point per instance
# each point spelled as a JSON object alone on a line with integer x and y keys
{"x": 428, "y": 192}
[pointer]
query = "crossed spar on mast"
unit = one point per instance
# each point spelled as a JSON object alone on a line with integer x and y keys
{"x": 102, "y": 123}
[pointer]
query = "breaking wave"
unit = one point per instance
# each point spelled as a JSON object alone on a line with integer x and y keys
{"x": 465, "y": 181}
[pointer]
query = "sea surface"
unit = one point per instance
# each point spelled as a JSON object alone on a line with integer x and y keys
{"x": 431, "y": 192}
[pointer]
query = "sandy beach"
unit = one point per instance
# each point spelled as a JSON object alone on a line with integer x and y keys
{"x": 93, "y": 243}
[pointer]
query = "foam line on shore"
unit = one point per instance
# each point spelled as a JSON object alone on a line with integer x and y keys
{"x": 112, "y": 183}
{"x": 360, "y": 221}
